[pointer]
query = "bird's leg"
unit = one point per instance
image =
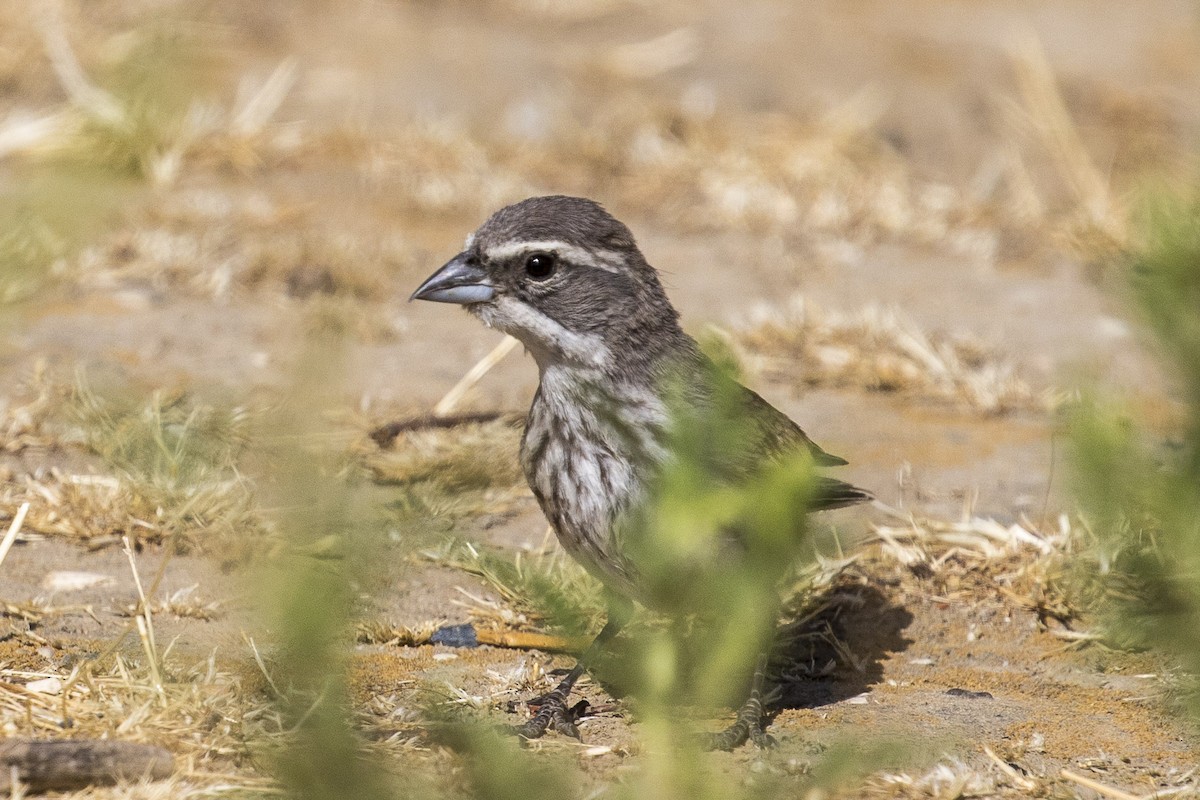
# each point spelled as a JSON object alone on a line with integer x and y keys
{"x": 552, "y": 710}
{"x": 552, "y": 707}
{"x": 750, "y": 717}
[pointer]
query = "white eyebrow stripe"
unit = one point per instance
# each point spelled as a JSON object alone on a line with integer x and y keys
{"x": 607, "y": 260}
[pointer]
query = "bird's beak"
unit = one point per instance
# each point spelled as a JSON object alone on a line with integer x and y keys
{"x": 459, "y": 281}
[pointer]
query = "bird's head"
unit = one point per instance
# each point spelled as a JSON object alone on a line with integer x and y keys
{"x": 564, "y": 277}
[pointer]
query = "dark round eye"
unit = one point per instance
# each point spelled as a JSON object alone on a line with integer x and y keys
{"x": 540, "y": 266}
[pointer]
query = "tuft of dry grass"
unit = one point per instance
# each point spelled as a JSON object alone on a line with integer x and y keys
{"x": 469, "y": 457}
{"x": 1056, "y": 570}
{"x": 161, "y": 469}
{"x": 1099, "y": 215}
{"x": 879, "y": 350}
{"x": 972, "y": 540}
{"x": 537, "y": 588}
{"x": 449, "y": 473}
{"x": 175, "y": 462}
{"x": 206, "y": 715}
{"x": 222, "y": 244}
{"x": 27, "y": 415}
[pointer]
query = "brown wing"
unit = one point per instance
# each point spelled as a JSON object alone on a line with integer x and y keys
{"x": 779, "y": 435}
{"x": 768, "y": 433}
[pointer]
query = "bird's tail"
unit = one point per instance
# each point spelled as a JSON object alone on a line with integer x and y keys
{"x": 832, "y": 493}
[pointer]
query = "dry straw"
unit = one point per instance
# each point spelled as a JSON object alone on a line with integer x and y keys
{"x": 13, "y": 529}
{"x": 880, "y": 350}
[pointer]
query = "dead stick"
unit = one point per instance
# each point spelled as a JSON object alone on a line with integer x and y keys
{"x": 13, "y": 530}
{"x": 1107, "y": 791}
{"x": 526, "y": 640}
{"x": 384, "y": 434}
{"x": 1019, "y": 780}
{"x": 448, "y": 403}
{"x": 468, "y": 635}
{"x": 71, "y": 764}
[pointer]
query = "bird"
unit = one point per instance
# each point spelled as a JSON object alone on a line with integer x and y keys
{"x": 568, "y": 280}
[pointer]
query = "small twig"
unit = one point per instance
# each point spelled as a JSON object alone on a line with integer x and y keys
{"x": 470, "y": 635}
{"x": 1096, "y": 786}
{"x": 1019, "y": 780}
{"x": 453, "y": 397}
{"x": 256, "y": 112}
{"x": 145, "y": 624}
{"x": 529, "y": 640}
{"x": 655, "y": 56}
{"x": 258, "y": 659}
{"x": 13, "y": 530}
{"x": 1076, "y": 636}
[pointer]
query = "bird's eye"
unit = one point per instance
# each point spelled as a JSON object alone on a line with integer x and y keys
{"x": 540, "y": 266}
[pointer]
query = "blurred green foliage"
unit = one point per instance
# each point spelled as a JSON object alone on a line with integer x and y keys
{"x": 50, "y": 210}
{"x": 310, "y": 589}
{"x": 1142, "y": 497}
{"x": 722, "y": 530}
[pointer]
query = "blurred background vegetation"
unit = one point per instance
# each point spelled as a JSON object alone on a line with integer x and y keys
{"x": 932, "y": 233}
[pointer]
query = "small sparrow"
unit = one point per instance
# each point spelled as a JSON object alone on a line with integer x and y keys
{"x": 567, "y": 280}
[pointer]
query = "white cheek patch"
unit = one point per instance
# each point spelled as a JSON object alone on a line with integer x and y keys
{"x": 546, "y": 339}
{"x": 607, "y": 260}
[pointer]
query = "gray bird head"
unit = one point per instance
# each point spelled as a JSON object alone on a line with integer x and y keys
{"x": 565, "y": 278}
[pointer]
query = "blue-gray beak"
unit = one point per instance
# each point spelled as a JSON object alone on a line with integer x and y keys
{"x": 459, "y": 281}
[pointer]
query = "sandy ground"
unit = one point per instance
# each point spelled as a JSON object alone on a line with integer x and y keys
{"x": 940, "y": 75}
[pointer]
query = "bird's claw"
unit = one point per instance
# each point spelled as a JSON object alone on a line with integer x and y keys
{"x": 761, "y": 739}
{"x": 552, "y": 713}
{"x": 749, "y": 724}
{"x": 738, "y": 734}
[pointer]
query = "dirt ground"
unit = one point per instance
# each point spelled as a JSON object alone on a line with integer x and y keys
{"x": 406, "y": 122}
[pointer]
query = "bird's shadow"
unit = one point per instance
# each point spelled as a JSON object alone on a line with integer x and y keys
{"x": 830, "y": 647}
{"x": 835, "y": 645}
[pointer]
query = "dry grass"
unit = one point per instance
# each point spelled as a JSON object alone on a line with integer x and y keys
{"x": 830, "y": 176}
{"x": 162, "y": 469}
{"x": 448, "y": 474}
{"x": 879, "y": 350}
{"x": 469, "y": 457}
{"x": 175, "y": 463}
{"x": 28, "y": 413}
{"x": 221, "y": 244}
{"x": 1056, "y": 570}
{"x": 536, "y": 588}
{"x": 220, "y": 721}
{"x": 951, "y": 779}
{"x": 1099, "y": 213}
{"x": 205, "y": 715}
{"x": 825, "y": 185}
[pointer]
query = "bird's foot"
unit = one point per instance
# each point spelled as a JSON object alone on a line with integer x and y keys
{"x": 552, "y": 713}
{"x": 749, "y": 725}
